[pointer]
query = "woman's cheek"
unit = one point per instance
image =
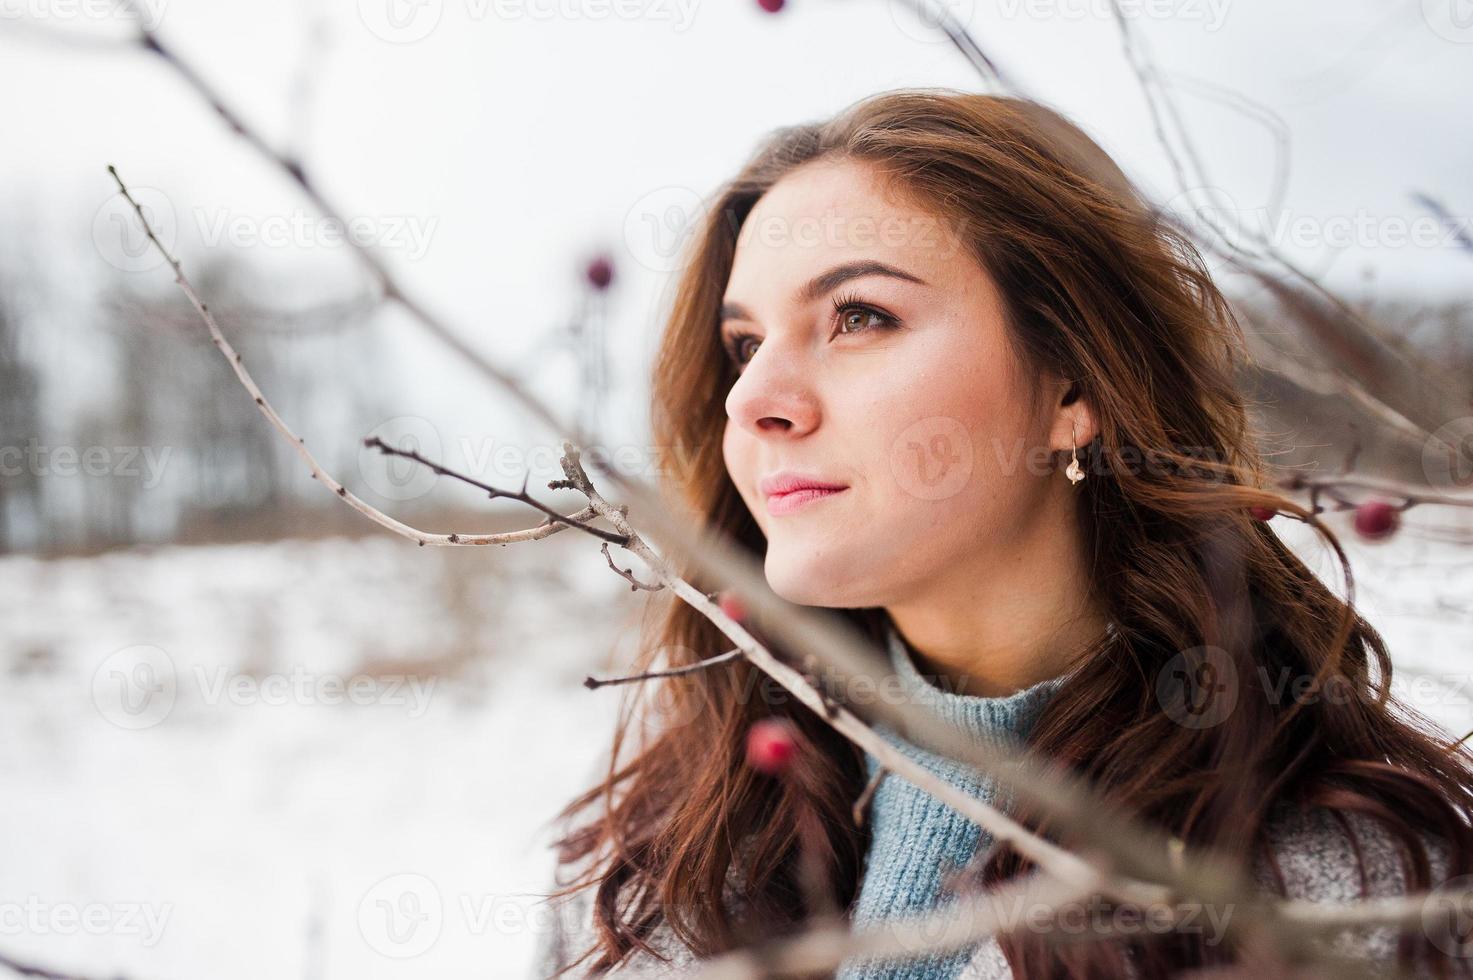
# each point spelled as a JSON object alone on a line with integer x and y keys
{"x": 930, "y": 456}
{"x": 735, "y": 450}
{"x": 730, "y": 449}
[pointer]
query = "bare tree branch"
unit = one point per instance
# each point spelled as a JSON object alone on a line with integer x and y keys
{"x": 374, "y": 442}
{"x": 318, "y": 473}
{"x": 594, "y": 683}
{"x": 628, "y": 574}
{"x": 25, "y": 969}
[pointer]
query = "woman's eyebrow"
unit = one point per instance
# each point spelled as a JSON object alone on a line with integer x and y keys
{"x": 826, "y": 282}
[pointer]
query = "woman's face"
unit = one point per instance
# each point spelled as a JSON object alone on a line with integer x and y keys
{"x": 907, "y": 396}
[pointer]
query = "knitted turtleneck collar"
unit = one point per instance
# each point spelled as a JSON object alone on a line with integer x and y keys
{"x": 915, "y": 840}
{"x": 986, "y": 719}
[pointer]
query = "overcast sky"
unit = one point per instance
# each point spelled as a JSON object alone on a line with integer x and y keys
{"x": 491, "y": 144}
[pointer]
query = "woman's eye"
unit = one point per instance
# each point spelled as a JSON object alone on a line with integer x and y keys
{"x": 853, "y": 317}
{"x": 738, "y": 350}
{"x": 858, "y": 318}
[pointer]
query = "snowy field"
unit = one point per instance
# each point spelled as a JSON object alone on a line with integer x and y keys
{"x": 336, "y": 758}
{"x": 177, "y": 757}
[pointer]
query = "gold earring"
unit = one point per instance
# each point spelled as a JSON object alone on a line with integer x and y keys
{"x": 1073, "y": 472}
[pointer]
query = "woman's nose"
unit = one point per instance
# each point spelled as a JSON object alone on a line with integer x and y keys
{"x": 774, "y": 395}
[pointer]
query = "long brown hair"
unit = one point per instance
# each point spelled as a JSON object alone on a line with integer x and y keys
{"x": 1098, "y": 289}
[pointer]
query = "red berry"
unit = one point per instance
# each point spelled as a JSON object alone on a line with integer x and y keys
{"x": 601, "y": 272}
{"x": 732, "y": 605}
{"x": 1262, "y": 513}
{"x": 771, "y": 745}
{"x": 1376, "y": 519}
{"x": 771, "y": 6}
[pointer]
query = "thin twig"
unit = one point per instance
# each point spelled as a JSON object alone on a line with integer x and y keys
{"x": 950, "y": 928}
{"x": 861, "y": 805}
{"x": 374, "y": 442}
{"x": 960, "y": 38}
{"x": 594, "y": 683}
{"x": 1331, "y": 320}
{"x": 628, "y": 574}
{"x": 300, "y": 444}
{"x": 32, "y": 970}
{"x": 1409, "y": 494}
{"x": 1459, "y": 232}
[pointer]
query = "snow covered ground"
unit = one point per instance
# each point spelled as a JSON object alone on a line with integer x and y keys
{"x": 336, "y": 758}
{"x": 187, "y": 753}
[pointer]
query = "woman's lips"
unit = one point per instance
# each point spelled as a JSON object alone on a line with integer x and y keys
{"x": 785, "y": 503}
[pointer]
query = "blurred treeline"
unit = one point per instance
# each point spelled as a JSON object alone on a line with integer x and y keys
{"x": 140, "y": 433}
{"x": 130, "y": 427}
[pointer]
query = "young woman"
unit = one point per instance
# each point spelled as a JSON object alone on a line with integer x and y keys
{"x": 939, "y": 364}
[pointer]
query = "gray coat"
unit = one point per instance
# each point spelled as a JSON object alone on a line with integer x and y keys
{"x": 1316, "y": 857}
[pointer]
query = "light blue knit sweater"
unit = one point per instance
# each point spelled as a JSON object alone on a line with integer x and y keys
{"x": 915, "y": 840}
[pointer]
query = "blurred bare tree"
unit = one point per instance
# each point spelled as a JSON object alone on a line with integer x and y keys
{"x": 20, "y": 417}
{"x": 163, "y": 449}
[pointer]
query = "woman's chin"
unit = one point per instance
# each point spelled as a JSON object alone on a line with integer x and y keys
{"x": 810, "y": 583}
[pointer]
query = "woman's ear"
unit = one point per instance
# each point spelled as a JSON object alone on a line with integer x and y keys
{"x": 1074, "y": 422}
